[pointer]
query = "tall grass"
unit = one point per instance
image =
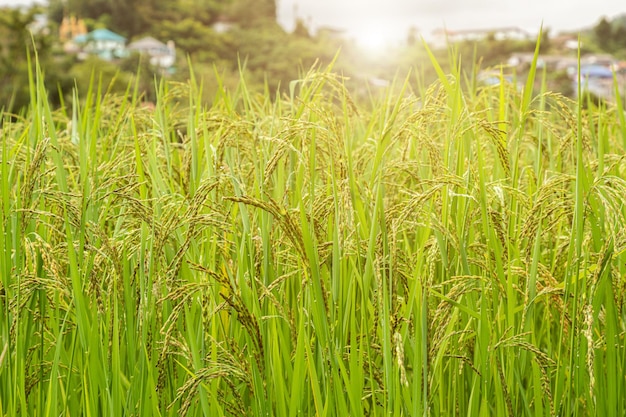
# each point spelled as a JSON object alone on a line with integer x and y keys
{"x": 457, "y": 252}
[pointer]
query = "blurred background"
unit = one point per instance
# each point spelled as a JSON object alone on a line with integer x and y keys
{"x": 272, "y": 42}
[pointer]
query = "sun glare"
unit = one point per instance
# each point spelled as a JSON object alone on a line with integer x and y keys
{"x": 375, "y": 40}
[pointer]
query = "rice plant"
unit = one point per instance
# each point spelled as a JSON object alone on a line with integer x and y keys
{"x": 454, "y": 251}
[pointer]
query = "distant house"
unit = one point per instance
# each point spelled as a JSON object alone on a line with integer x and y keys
{"x": 605, "y": 60}
{"x": 551, "y": 62}
{"x": 71, "y": 27}
{"x": 496, "y": 76}
{"x": 161, "y": 55}
{"x": 443, "y": 36}
{"x": 40, "y": 24}
{"x": 223, "y": 24}
{"x": 567, "y": 42}
{"x": 102, "y": 43}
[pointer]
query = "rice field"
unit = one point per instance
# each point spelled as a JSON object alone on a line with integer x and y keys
{"x": 451, "y": 250}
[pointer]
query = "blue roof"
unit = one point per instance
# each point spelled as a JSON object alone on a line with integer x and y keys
{"x": 100, "y": 35}
{"x": 596, "y": 71}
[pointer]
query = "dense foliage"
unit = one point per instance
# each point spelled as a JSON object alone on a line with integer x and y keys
{"x": 610, "y": 36}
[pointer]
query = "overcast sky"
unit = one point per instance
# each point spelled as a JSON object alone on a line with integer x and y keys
{"x": 391, "y": 19}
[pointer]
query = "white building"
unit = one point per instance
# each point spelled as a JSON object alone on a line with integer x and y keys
{"x": 161, "y": 55}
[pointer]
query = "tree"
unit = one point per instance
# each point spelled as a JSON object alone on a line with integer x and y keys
{"x": 301, "y": 30}
{"x": 546, "y": 41}
{"x": 16, "y": 43}
{"x": 620, "y": 37}
{"x": 603, "y": 33}
{"x": 268, "y": 9}
{"x": 125, "y": 19}
{"x": 412, "y": 36}
{"x": 193, "y": 38}
{"x": 254, "y": 13}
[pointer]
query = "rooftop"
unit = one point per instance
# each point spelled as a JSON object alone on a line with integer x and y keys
{"x": 100, "y": 35}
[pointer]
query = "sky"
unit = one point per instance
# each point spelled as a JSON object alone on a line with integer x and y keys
{"x": 383, "y": 22}
{"x": 374, "y": 22}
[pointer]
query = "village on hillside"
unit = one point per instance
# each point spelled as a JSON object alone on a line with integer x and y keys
{"x": 108, "y": 45}
{"x": 598, "y": 71}
{"x": 269, "y": 51}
